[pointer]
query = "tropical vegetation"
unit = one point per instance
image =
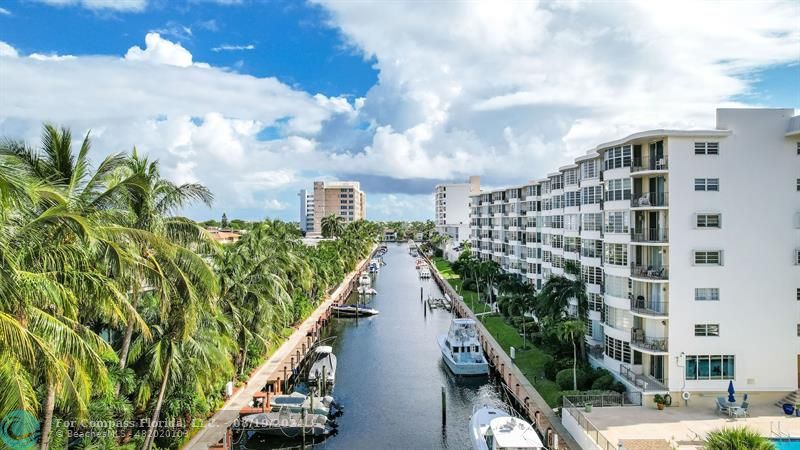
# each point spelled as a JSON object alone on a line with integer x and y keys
{"x": 547, "y": 327}
{"x": 114, "y": 307}
{"x": 738, "y": 438}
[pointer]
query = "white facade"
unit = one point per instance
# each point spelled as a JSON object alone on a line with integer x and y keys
{"x": 452, "y": 206}
{"x": 306, "y": 211}
{"x": 687, "y": 242}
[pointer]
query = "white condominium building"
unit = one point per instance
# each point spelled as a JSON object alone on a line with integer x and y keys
{"x": 452, "y": 205}
{"x": 689, "y": 244}
{"x": 306, "y": 211}
{"x": 342, "y": 198}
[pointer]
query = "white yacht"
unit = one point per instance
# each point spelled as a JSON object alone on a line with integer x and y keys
{"x": 495, "y": 429}
{"x": 461, "y": 349}
{"x": 325, "y": 362}
{"x": 364, "y": 280}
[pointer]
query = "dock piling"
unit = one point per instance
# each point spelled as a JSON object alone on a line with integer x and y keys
{"x": 444, "y": 407}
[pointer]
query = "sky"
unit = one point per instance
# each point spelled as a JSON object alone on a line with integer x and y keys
{"x": 257, "y": 99}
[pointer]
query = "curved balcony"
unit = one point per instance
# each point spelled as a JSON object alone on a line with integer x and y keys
{"x": 650, "y": 272}
{"x": 657, "y": 235}
{"x": 646, "y": 307}
{"x": 648, "y": 344}
{"x": 650, "y": 200}
{"x": 641, "y": 164}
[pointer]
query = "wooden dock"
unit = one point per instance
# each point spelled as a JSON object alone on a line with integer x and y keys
{"x": 271, "y": 378}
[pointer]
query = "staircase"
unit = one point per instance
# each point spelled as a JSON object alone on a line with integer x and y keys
{"x": 793, "y": 399}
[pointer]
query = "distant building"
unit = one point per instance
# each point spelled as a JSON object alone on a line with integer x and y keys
{"x": 306, "y": 211}
{"x": 224, "y": 236}
{"x": 389, "y": 235}
{"x": 342, "y": 198}
{"x": 452, "y": 203}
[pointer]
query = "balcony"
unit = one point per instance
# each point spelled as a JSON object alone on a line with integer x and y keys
{"x": 642, "y": 164}
{"x": 650, "y": 272}
{"x": 648, "y": 307}
{"x": 650, "y": 199}
{"x": 648, "y": 344}
{"x": 650, "y": 235}
{"x": 644, "y": 382}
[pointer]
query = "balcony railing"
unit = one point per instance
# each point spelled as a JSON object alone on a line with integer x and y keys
{"x": 643, "y": 382}
{"x": 658, "y": 234}
{"x": 641, "y": 164}
{"x": 650, "y": 272}
{"x": 643, "y": 305}
{"x": 646, "y": 199}
{"x": 638, "y": 339}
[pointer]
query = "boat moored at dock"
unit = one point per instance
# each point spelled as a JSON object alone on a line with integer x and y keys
{"x": 365, "y": 280}
{"x": 357, "y": 310}
{"x": 461, "y": 349}
{"x": 288, "y": 424}
{"x": 325, "y": 363}
{"x": 494, "y": 429}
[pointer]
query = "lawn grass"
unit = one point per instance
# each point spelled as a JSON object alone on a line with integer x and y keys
{"x": 530, "y": 360}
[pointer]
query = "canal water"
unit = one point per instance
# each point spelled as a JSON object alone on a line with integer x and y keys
{"x": 390, "y": 372}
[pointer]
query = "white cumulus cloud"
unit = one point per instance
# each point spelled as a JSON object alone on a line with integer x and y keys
{"x": 160, "y": 51}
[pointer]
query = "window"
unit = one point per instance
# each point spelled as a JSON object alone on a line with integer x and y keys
{"x": 591, "y": 248}
{"x": 572, "y": 222}
{"x": 591, "y": 274}
{"x": 706, "y": 148}
{"x": 708, "y": 294}
{"x": 708, "y": 257}
{"x": 591, "y": 195}
{"x": 570, "y": 177}
{"x": 797, "y": 257}
{"x": 798, "y": 294}
{"x": 589, "y": 168}
{"x": 710, "y": 367}
{"x": 558, "y": 201}
{"x": 616, "y": 157}
{"x": 572, "y": 199}
{"x": 619, "y": 189}
{"x": 619, "y": 350}
{"x": 617, "y": 221}
{"x": 798, "y": 330}
{"x": 707, "y": 184}
{"x": 616, "y": 254}
{"x": 708, "y": 220}
{"x": 592, "y": 222}
{"x": 798, "y": 185}
{"x": 556, "y": 182}
{"x": 617, "y": 286}
{"x": 572, "y": 244}
{"x": 618, "y": 318}
{"x": 595, "y": 301}
{"x": 706, "y": 329}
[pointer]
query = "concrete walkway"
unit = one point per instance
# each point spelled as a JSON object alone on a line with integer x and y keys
{"x": 216, "y": 427}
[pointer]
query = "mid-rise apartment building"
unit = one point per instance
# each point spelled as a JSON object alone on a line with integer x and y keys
{"x": 688, "y": 242}
{"x": 306, "y": 211}
{"x": 452, "y": 207}
{"x": 342, "y": 198}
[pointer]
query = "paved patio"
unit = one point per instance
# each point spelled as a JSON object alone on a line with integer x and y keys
{"x": 685, "y": 426}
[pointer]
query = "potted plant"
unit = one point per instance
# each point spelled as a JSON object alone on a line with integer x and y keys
{"x": 658, "y": 399}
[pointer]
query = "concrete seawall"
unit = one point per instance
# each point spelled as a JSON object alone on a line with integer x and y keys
{"x": 535, "y": 407}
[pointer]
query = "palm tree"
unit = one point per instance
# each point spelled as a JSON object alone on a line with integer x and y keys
{"x": 332, "y": 226}
{"x": 554, "y": 298}
{"x": 569, "y": 331}
{"x": 151, "y": 205}
{"x": 735, "y": 439}
{"x": 52, "y": 240}
{"x": 488, "y": 271}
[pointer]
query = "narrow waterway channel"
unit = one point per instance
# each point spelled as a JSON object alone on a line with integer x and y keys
{"x": 390, "y": 373}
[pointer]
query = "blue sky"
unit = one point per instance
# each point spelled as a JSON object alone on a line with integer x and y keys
{"x": 256, "y": 99}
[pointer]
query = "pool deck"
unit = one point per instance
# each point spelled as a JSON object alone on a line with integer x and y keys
{"x": 683, "y": 425}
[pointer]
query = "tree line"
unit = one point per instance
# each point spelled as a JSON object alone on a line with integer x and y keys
{"x": 115, "y": 308}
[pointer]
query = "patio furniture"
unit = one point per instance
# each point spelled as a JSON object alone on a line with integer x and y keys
{"x": 742, "y": 411}
{"x": 722, "y": 406}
